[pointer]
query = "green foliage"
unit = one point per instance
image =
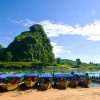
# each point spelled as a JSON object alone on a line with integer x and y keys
{"x": 78, "y": 62}
{"x": 68, "y": 62}
{"x": 8, "y": 56}
{"x": 18, "y": 64}
{"x": 30, "y": 46}
{"x": 1, "y": 47}
{"x": 65, "y": 62}
{"x": 2, "y": 53}
{"x": 58, "y": 60}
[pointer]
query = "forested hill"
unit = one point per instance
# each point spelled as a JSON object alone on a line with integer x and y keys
{"x": 32, "y": 46}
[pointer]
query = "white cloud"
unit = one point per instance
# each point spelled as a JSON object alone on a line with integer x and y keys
{"x": 88, "y": 31}
{"x": 58, "y": 50}
{"x": 25, "y": 23}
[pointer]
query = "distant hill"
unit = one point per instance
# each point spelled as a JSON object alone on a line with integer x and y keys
{"x": 65, "y": 61}
{"x": 32, "y": 46}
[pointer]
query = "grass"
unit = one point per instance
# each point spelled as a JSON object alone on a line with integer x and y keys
{"x": 32, "y": 65}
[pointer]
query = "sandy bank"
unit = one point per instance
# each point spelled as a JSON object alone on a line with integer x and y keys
{"x": 53, "y": 94}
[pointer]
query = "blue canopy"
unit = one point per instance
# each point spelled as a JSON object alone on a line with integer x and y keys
{"x": 45, "y": 75}
{"x": 19, "y": 75}
{"x": 33, "y": 74}
{"x": 68, "y": 75}
{"x": 64, "y": 75}
{"x": 59, "y": 75}
{"x": 79, "y": 74}
{"x": 5, "y": 76}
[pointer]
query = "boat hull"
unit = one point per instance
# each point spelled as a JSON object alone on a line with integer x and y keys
{"x": 85, "y": 83}
{"x": 73, "y": 84}
{"x": 45, "y": 86}
{"x": 9, "y": 87}
{"x": 62, "y": 85}
{"x": 30, "y": 83}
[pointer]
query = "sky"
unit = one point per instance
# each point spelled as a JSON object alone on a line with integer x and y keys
{"x": 73, "y": 26}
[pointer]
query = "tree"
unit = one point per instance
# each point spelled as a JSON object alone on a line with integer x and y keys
{"x": 32, "y": 45}
{"x": 8, "y": 56}
{"x": 78, "y": 62}
{"x": 91, "y": 63}
{"x": 1, "y": 47}
{"x": 58, "y": 60}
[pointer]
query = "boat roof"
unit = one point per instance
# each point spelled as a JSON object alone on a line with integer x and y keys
{"x": 65, "y": 75}
{"x": 68, "y": 75}
{"x": 33, "y": 74}
{"x": 5, "y": 76}
{"x": 17, "y": 75}
{"x": 45, "y": 75}
{"x": 58, "y": 75}
{"x": 79, "y": 74}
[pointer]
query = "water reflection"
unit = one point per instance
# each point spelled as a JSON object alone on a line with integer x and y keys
{"x": 94, "y": 85}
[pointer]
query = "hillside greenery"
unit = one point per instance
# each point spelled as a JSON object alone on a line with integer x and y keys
{"x": 29, "y": 46}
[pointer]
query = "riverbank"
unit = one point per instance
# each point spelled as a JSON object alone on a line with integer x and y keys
{"x": 53, "y": 94}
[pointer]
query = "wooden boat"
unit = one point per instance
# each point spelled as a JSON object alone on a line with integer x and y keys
{"x": 31, "y": 79}
{"x": 11, "y": 81}
{"x": 4, "y": 80}
{"x": 60, "y": 80}
{"x": 83, "y": 79}
{"x": 45, "y": 81}
{"x": 72, "y": 81}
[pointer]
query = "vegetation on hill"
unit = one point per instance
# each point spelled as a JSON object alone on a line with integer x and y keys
{"x": 30, "y": 46}
{"x": 67, "y": 63}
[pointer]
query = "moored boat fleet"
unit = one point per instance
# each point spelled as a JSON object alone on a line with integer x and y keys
{"x": 44, "y": 81}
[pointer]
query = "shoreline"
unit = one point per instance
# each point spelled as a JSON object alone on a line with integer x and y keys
{"x": 53, "y": 94}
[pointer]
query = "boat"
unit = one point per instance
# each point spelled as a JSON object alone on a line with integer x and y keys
{"x": 11, "y": 81}
{"x": 60, "y": 80}
{"x": 83, "y": 79}
{"x": 4, "y": 80}
{"x": 45, "y": 81}
{"x": 1, "y": 73}
{"x": 73, "y": 83}
{"x": 31, "y": 79}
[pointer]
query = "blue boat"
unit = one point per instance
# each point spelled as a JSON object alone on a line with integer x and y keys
{"x": 72, "y": 80}
{"x": 4, "y": 80}
{"x": 83, "y": 79}
{"x": 31, "y": 79}
{"x": 45, "y": 81}
{"x": 11, "y": 81}
{"x": 61, "y": 80}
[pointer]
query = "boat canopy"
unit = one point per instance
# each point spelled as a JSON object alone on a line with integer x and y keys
{"x": 68, "y": 75}
{"x": 19, "y": 75}
{"x": 59, "y": 75}
{"x": 80, "y": 74}
{"x": 33, "y": 74}
{"x": 45, "y": 75}
{"x": 5, "y": 76}
{"x": 65, "y": 75}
